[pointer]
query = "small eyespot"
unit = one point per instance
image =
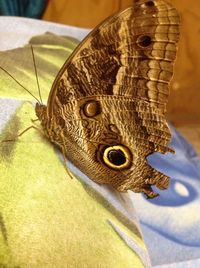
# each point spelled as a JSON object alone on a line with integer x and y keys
{"x": 91, "y": 108}
{"x": 149, "y": 4}
{"x": 114, "y": 128}
{"x": 117, "y": 157}
{"x": 144, "y": 41}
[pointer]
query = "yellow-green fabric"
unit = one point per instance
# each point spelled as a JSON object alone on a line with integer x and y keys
{"x": 48, "y": 219}
{"x": 50, "y": 54}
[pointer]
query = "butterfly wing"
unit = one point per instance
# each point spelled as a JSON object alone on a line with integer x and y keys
{"x": 131, "y": 53}
{"x": 118, "y": 78}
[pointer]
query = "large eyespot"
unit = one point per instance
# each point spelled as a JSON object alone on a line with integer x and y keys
{"x": 117, "y": 157}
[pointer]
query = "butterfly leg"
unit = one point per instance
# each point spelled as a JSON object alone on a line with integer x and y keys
{"x": 20, "y": 134}
{"x": 34, "y": 120}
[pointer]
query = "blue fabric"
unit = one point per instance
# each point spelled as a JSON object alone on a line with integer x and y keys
{"x": 171, "y": 222}
{"x": 181, "y": 167}
{"x": 23, "y": 8}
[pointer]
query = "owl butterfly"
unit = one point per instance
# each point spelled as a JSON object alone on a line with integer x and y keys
{"x": 106, "y": 108}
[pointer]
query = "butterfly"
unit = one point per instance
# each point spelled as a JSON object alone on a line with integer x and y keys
{"x": 106, "y": 108}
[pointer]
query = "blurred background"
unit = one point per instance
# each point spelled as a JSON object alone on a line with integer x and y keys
{"x": 184, "y": 101}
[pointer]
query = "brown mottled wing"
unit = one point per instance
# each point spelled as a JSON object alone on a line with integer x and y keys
{"x": 130, "y": 54}
{"x": 106, "y": 108}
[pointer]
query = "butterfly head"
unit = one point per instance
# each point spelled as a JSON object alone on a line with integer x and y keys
{"x": 41, "y": 113}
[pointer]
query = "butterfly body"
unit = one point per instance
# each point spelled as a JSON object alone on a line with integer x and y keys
{"x": 106, "y": 108}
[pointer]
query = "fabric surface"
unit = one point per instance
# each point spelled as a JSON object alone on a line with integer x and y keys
{"x": 48, "y": 219}
{"x": 23, "y": 8}
{"x": 17, "y": 31}
{"x": 170, "y": 223}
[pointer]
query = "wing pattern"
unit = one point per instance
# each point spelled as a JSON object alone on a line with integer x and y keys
{"x": 113, "y": 90}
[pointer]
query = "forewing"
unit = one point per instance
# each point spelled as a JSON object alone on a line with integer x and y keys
{"x": 130, "y": 54}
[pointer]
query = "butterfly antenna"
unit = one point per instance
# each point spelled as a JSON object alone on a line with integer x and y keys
{"x": 36, "y": 74}
{"x": 19, "y": 84}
